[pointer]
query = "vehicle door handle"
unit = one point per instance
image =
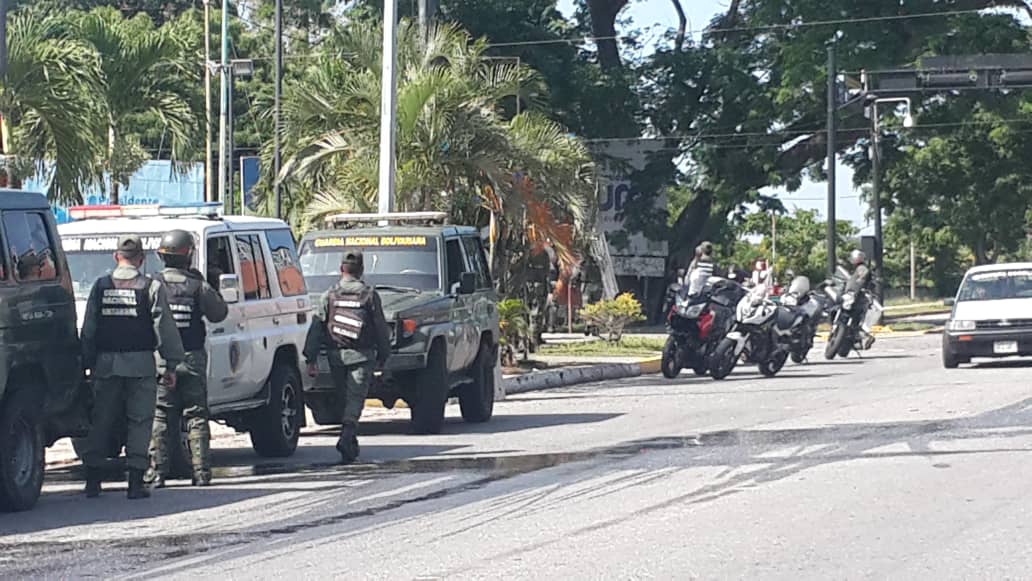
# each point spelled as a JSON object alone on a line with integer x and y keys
{"x": 275, "y": 320}
{"x": 240, "y": 326}
{"x": 218, "y": 331}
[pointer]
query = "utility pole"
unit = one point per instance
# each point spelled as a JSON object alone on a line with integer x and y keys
{"x": 876, "y": 206}
{"x": 5, "y": 135}
{"x": 225, "y": 168}
{"x": 276, "y": 160}
{"x": 208, "y": 165}
{"x": 388, "y": 105}
{"x": 832, "y": 98}
{"x": 913, "y": 271}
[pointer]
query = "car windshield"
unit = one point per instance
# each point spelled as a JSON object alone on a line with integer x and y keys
{"x": 400, "y": 261}
{"x": 90, "y": 257}
{"x": 87, "y": 267}
{"x": 997, "y": 285}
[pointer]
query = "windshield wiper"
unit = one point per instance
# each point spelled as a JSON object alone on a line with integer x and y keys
{"x": 400, "y": 289}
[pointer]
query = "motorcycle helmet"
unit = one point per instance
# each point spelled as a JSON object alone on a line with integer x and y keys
{"x": 177, "y": 248}
{"x": 857, "y": 257}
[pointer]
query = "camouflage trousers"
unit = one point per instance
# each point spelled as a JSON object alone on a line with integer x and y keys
{"x": 187, "y": 401}
{"x": 115, "y": 399}
{"x": 352, "y": 383}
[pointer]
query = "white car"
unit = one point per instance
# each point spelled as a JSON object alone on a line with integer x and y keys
{"x": 254, "y": 364}
{"x": 992, "y": 315}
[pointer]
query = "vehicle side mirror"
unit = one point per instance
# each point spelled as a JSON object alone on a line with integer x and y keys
{"x": 949, "y": 302}
{"x": 467, "y": 283}
{"x": 229, "y": 287}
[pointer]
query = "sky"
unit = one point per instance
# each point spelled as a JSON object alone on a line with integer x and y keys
{"x": 812, "y": 195}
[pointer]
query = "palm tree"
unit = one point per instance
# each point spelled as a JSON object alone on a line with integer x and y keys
{"x": 150, "y": 77}
{"x": 457, "y": 149}
{"x": 49, "y": 106}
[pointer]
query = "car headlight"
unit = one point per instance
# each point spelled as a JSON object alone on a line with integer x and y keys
{"x": 960, "y": 325}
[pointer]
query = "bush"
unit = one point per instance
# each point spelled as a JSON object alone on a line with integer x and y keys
{"x": 515, "y": 327}
{"x": 611, "y": 317}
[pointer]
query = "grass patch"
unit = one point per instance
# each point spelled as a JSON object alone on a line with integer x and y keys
{"x": 911, "y": 327}
{"x": 910, "y": 311}
{"x": 626, "y": 347}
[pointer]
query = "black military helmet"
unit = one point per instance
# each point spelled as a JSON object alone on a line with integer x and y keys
{"x": 176, "y": 243}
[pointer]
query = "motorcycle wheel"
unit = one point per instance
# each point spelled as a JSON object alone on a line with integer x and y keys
{"x": 669, "y": 364}
{"x": 772, "y": 366}
{"x": 800, "y": 356}
{"x": 724, "y": 360}
{"x": 701, "y": 369}
{"x": 835, "y": 341}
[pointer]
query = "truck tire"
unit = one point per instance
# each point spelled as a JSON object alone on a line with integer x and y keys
{"x": 431, "y": 396}
{"x": 21, "y": 453}
{"x": 276, "y": 427}
{"x": 476, "y": 399}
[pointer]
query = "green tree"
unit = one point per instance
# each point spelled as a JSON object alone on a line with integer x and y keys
{"x": 48, "y": 104}
{"x": 801, "y": 241}
{"x": 150, "y": 74}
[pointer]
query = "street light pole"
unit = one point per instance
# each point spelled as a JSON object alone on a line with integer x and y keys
{"x": 276, "y": 160}
{"x": 224, "y": 80}
{"x": 832, "y": 98}
{"x": 388, "y": 104}
{"x": 908, "y": 121}
{"x": 208, "y": 164}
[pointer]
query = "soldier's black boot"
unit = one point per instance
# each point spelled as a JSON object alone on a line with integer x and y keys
{"x": 154, "y": 478}
{"x": 136, "y": 487}
{"x": 202, "y": 478}
{"x": 93, "y": 488}
{"x": 347, "y": 445}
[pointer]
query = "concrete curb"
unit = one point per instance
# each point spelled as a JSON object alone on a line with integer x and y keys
{"x": 566, "y": 376}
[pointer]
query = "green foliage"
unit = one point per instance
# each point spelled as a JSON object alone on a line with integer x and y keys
{"x": 611, "y": 317}
{"x": 801, "y": 242}
{"x": 625, "y": 347}
{"x": 513, "y": 320}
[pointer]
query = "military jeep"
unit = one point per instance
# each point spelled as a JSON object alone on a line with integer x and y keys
{"x": 438, "y": 297}
{"x": 42, "y": 393}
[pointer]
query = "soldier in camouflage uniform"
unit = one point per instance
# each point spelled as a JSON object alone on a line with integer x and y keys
{"x": 349, "y": 323}
{"x": 192, "y": 300}
{"x": 127, "y": 319}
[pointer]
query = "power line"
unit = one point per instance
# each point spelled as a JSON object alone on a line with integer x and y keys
{"x": 756, "y": 28}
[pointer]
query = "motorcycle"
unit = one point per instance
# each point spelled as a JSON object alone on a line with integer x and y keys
{"x": 853, "y": 314}
{"x": 759, "y": 336}
{"x": 697, "y": 322}
{"x": 805, "y": 307}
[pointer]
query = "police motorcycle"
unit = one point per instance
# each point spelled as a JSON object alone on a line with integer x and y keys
{"x": 701, "y": 316}
{"x": 853, "y": 315}
{"x": 805, "y": 307}
{"x": 758, "y": 336}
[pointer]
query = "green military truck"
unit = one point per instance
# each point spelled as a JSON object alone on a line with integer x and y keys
{"x": 439, "y": 300}
{"x": 42, "y": 395}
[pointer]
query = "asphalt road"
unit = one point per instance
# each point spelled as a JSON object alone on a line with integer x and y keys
{"x": 890, "y": 467}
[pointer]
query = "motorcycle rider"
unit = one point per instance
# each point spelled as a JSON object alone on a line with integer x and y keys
{"x": 701, "y": 268}
{"x": 861, "y": 278}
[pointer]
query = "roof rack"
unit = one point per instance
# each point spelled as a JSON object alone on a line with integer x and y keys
{"x": 210, "y": 210}
{"x": 388, "y": 218}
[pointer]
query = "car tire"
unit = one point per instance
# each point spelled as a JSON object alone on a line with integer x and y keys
{"x": 476, "y": 399}
{"x": 431, "y": 386}
{"x": 22, "y": 455}
{"x": 275, "y": 428}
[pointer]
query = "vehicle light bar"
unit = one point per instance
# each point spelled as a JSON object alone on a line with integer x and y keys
{"x": 205, "y": 209}
{"x": 392, "y": 217}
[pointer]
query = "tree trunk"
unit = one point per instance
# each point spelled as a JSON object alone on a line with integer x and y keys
{"x": 682, "y": 25}
{"x": 603, "y": 28}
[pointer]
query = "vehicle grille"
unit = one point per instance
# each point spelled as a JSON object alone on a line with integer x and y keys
{"x": 1004, "y": 324}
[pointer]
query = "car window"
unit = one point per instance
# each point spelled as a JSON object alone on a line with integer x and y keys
{"x": 997, "y": 285}
{"x": 285, "y": 262}
{"x": 254, "y": 280}
{"x": 30, "y": 248}
{"x": 477, "y": 261}
{"x": 456, "y": 262}
{"x": 220, "y": 259}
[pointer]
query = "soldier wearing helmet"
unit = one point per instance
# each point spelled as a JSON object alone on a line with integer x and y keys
{"x": 191, "y": 300}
